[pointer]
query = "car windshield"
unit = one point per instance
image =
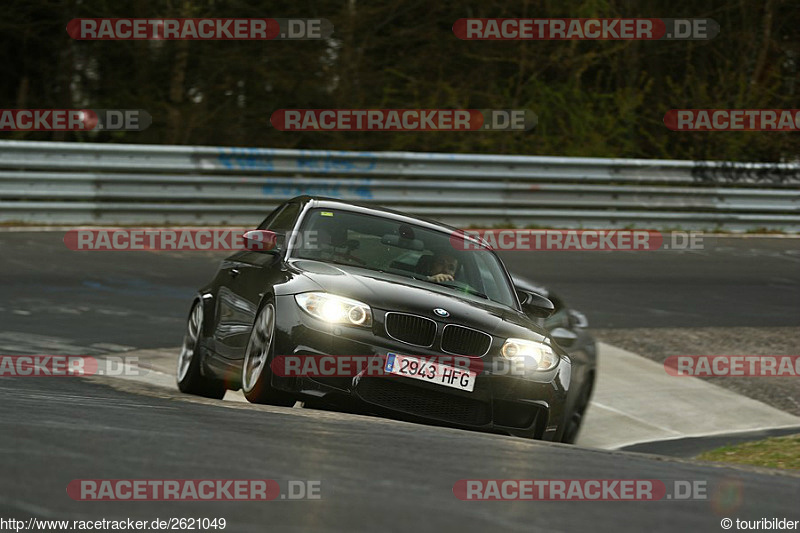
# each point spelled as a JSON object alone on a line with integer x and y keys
{"x": 409, "y": 250}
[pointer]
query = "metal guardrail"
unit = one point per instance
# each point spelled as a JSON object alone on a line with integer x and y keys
{"x": 77, "y": 183}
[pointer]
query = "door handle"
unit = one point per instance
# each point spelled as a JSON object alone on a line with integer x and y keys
{"x": 234, "y": 272}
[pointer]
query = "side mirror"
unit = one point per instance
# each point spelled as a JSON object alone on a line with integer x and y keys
{"x": 578, "y": 319}
{"x": 259, "y": 240}
{"x": 564, "y": 337}
{"x": 535, "y": 304}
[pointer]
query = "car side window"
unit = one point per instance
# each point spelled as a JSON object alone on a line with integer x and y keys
{"x": 267, "y": 221}
{"x": 282, "y": 220}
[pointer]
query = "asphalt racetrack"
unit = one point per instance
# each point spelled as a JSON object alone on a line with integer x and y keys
{"x": 140, "y": 299}
{"x": 374, "y": 474}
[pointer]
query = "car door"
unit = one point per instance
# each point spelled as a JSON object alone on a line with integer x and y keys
{"x": 247, "y": 275}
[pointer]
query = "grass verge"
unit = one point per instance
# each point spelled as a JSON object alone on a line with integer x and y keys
{"x": 775, "y": 452}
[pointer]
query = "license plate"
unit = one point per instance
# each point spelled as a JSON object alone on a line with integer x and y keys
{"x": 430, "y": 371}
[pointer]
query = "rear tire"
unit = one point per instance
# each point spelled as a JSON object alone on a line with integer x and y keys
{"x": 188, "y": 375}
{"x": 256, "y": 371}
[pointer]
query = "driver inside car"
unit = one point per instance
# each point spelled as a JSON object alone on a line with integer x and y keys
{"x": 443, "y": 268}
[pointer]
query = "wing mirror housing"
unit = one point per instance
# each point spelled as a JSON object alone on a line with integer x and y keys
{"x": 260, "y": 240}
{"x": 578, "y": 319}
{"x": 564, "y": 337}
{"x": 535, "y": 304}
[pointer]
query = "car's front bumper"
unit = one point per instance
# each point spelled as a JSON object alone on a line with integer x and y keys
{"x": 529, "y": 405}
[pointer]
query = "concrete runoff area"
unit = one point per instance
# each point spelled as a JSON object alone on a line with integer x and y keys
{"x": 635, "y": 401}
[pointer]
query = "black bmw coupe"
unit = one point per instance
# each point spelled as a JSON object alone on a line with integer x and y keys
{"x": 453, "y": 340}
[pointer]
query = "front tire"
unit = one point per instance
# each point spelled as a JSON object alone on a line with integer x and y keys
{"x": 256, "y": 372}
{"x": 576, "y": 418}
{"x": 188, "y": 374}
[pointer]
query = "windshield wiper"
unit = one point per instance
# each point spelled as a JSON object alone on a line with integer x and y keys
{"x": 470, "y": 290}
{"x": 461, "y": 288}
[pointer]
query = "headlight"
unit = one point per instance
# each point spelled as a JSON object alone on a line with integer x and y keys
{"x": 533, "y": 354}
{"x": 335, "y": 309}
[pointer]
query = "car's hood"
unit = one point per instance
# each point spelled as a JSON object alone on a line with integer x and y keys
{"x": 390, "y": 292}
